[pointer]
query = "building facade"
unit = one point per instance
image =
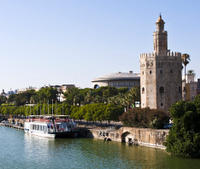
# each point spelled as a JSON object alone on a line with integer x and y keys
{"x": 192, "y": 86}
{"x": 118, "y": 80}
{"x": 198, "y": 86}
{"x": 160, "y": 73}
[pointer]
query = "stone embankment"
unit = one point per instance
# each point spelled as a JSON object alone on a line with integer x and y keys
{"x": 113, "y": 132}
{"x": 136, "y": 136}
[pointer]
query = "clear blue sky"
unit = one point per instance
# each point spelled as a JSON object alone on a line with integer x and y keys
{"x": 73, "y": 41}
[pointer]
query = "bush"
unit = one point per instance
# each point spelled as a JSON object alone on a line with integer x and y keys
{"x": 184, "y": 136}
{"x": 147, "y": 118}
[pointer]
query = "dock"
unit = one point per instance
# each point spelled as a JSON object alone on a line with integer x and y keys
{"x": 12, "y": 126}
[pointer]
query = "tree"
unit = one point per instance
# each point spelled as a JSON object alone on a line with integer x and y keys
{"x": 22, "y": 98}
{"x": 113, "y": 112}
{"x": 3, "y": 99}
{"x": 184, "y": 136}
{"x": 47, "y": 94}
{"x": 185, "y": 60}
{"x": 72, "y": 96}
{"x": 132, "y": 96}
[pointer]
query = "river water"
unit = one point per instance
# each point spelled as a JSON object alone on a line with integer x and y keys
{"x": 22, "y": 151}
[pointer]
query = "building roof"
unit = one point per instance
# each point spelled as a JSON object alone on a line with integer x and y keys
{"x": 118, "y": 76}
{"x": 160, "y": 20}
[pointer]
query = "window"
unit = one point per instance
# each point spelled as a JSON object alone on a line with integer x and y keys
{"x": 142, "y": 90}
{"x": 161, "y": 104}
{"x": 179, "y": 89}
{"x": 171, "y": 71}
{"x": 150, "y": 71}
{"x": 161, "y": 90}
{"x": 161, "y": 71}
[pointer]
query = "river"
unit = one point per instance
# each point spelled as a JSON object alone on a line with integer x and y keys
{"x": 22, "y": 151}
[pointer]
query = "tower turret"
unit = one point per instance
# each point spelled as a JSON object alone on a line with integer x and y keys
{"x": 160, "y": 37}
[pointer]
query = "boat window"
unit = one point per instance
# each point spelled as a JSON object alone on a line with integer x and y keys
{"x": 45, "y": 129}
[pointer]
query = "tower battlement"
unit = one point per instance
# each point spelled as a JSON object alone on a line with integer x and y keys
{"x": 147, "y": 55}
{"x": 153, "y": 54}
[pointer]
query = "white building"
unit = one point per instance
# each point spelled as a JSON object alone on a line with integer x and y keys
{"x": 118, "y": 80}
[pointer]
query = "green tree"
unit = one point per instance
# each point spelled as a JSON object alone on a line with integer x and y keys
{"x": 22, "y": 98}
{"x": 184, "y": 136}
{"x": 185, "y": 60}
{"x": 113, "y": 112}
{"x": 73, "y": 96}
{"x": 3, "y": 99}
{"x": 47, "y": 94}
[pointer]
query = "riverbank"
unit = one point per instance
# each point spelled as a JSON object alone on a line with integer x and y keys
{"x": 132, "y": 136}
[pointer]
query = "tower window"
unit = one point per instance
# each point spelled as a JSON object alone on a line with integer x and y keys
{"x": 161, "y": 90}
{"x": 150, "y": 71}
{"x": 179, "y": 89}
{"x": 161, "y": 104}
{"x": 142, "y": 90}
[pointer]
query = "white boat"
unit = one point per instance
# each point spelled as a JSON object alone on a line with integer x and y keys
{"x": 50, "y": 126}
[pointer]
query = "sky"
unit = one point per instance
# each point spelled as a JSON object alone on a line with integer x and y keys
{"x": 58, "y": 42}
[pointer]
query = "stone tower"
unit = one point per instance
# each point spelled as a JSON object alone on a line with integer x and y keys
{"x": 160, "y": 73}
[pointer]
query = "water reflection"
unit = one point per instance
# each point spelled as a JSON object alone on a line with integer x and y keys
{"x": 36, "y": 147}
{"x": 19, "y": 150}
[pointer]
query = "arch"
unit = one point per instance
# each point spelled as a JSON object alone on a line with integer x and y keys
{"x": 96, "y": 86}
{"x": 123, "y": 136}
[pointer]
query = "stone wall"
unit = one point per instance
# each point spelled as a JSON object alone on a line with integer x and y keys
{"x": 140, "y": 136}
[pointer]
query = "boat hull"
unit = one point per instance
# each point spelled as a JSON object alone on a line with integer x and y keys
{"x": 55, "y": 135}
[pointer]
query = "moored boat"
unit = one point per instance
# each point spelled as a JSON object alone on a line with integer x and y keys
{"x": 50, "y": 126}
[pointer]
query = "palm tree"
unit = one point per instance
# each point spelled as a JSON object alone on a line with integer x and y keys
{"x": 190, "y": 72}
{"x": 185, "y": 60}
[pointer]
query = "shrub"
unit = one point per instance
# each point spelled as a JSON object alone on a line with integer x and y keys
{"x": 148, "y": 118}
